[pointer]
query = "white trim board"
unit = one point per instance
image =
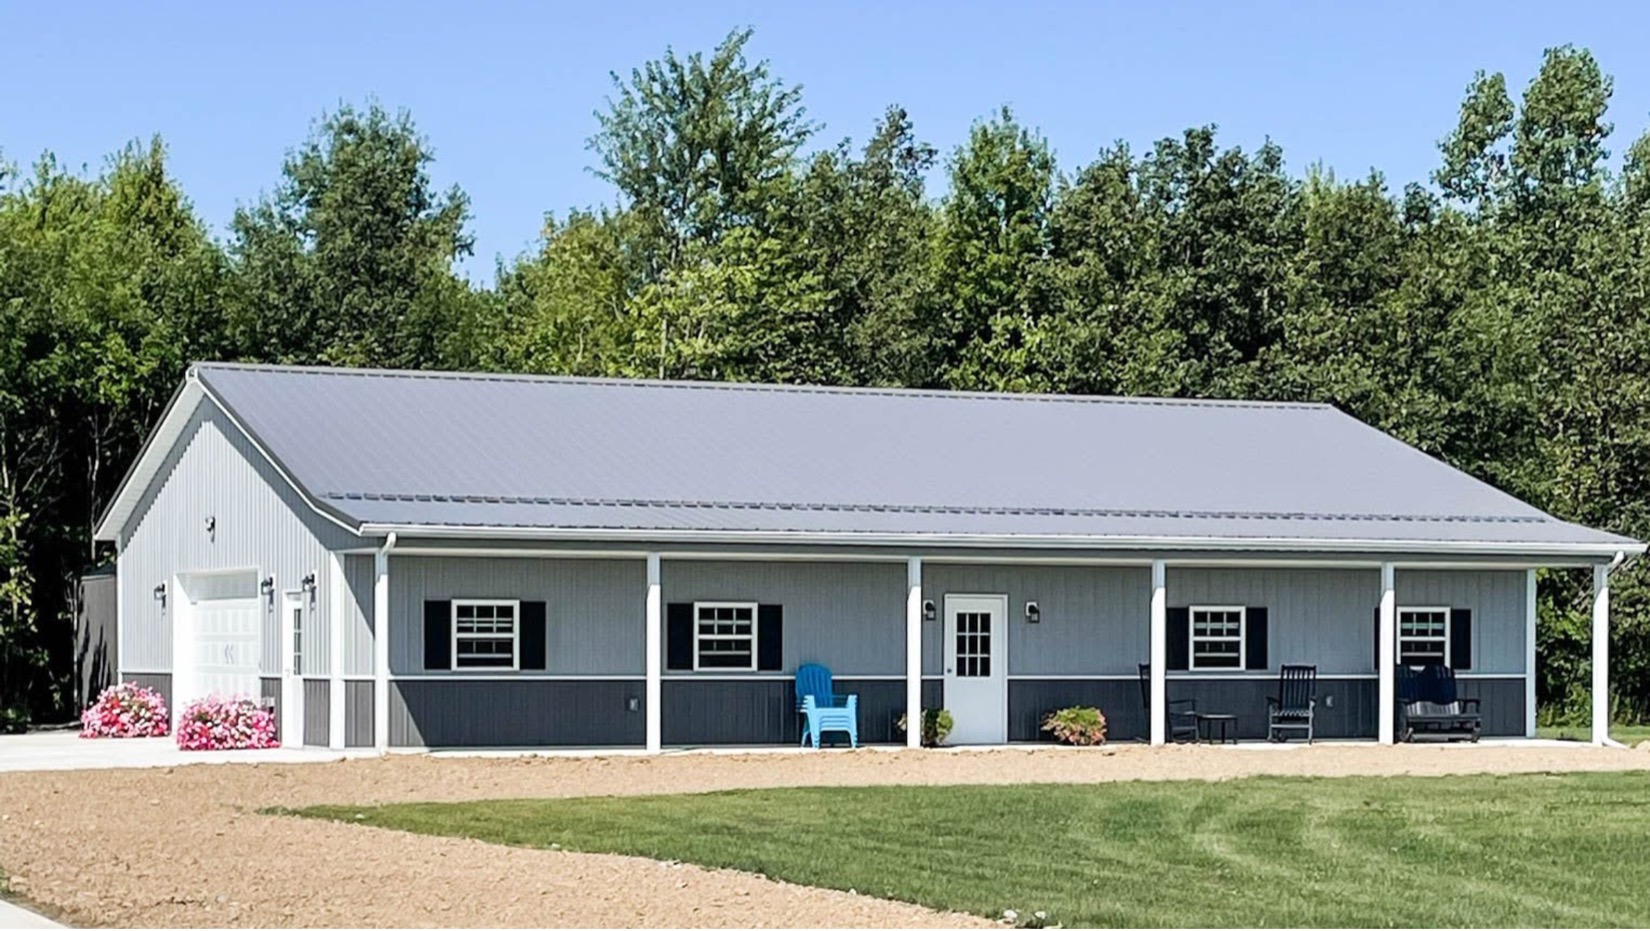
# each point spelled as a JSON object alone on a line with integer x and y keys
{"x": 509, "y": 677}
{"x": 1528, "y": 553}
{"x": 1177, "y": 676}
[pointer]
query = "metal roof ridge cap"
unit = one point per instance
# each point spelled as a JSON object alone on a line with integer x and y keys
{"x": 754, "y": 387}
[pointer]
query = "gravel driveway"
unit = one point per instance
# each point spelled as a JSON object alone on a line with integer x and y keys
{"x": 184, "y": 846}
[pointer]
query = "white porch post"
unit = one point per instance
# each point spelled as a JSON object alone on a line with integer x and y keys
{"x": 1160, "y": 653}
{"x": 1387, "y": 656}
{"x": 381, "y": 646}
{"x": 913, "y": 652}
{"x": 1601, "y": 654}
{"x": 1529, "y": 654}
{"x": 655, "y": 661}
{"x": 337, "y": 616}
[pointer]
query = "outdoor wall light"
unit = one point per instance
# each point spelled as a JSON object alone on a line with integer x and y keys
{"x": 211, "y": 526}
{"x": 929, "y": 612}
{"x": 1034, "y": 614}
{"x": 160, "y": 594}
{"x": 267, "y": 587}
{"x": 308, "y": 582}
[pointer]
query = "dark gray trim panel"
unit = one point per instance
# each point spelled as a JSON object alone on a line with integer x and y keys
{"x": 269, "y": 695}
{"x": 317, "y": 712}
{"x": 699, "y": 712}
{"x": 97, "y": 641}
{"x": 159, "y": 681}
{"x": 518, "y": 713}
{"x": 1346, "y": 707}
{"x": 1501, "y": 702}
{"x": 358, "y": 714}
{"x": 1029, "y": 700}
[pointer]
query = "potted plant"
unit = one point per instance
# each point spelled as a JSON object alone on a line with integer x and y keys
{"x": 1079, "y": 726}
{"x": 936, "y": 726}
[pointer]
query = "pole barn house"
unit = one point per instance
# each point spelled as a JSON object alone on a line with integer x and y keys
{"x": 420, "y": 559}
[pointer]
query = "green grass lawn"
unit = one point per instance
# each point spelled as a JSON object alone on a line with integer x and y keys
{"x": 1628, "y": 734}
{"x": 1410, "y": 851}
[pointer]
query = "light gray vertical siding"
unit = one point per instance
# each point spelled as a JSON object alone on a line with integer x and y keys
{"x": 595, "y": 609}
{"x": 357, "y": 602}
{"x": 848, "y": 616}
{"x": 1096, "y": 620}
{"x": 1321, "y": 617}
{"x": 1497, "y": 601}
{"x": 261, "y": 524}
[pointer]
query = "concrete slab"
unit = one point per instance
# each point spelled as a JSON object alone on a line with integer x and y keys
{"x": 65, "y": 750}
{"x": 16, "y": 916}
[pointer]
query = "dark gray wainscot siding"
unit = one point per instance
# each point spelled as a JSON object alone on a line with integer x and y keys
{"x": 517, "y": 713}
{"x": 358, "y": 714}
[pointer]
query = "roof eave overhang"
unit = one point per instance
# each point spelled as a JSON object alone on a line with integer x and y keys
{"x": 1586, "y": 552}
{"x": 146, "y": 466}
{"x": 159, "y": 444}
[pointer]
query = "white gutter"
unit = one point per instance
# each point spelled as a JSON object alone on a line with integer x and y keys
{"x": 1018, "y": 541}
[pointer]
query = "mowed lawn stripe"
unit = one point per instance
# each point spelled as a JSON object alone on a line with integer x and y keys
{"x": 1567, "y": 850}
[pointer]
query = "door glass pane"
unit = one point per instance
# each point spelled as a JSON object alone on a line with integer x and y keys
{"x": 973, "y": 636}
{"x": 297, "y": 640}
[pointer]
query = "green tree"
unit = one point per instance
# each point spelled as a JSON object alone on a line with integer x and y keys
{"x": 351, "y": 260}
{"x": 697, "y": 148}
{"x": 992, "y": 236}
{"x": 108, "y": 287}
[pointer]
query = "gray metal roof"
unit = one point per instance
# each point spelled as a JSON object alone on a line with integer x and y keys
{"x": 384, "y": 449}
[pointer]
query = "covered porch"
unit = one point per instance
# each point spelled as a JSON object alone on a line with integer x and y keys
{"x": 998, "y": 639}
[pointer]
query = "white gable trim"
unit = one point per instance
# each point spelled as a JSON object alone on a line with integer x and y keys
{"x": 163, "y": 439}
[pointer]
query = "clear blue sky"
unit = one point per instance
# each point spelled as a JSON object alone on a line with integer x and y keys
{"x": 505, "y": 91}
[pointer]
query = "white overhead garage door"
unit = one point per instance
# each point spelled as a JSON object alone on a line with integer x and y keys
{"x": 216, "y": 636}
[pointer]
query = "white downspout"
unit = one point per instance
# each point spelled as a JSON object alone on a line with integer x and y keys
{"x": 381, "y": 646}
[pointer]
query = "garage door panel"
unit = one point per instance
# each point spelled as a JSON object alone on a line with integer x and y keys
{"x": 228, "y": 637}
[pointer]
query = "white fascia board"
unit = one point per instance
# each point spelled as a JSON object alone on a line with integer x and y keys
{"x": 1532, "y": 551}
{"x": 159, "y": 445}
{"x": 155, "y": 449}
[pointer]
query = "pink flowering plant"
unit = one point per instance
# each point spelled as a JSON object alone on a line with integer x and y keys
{"x": 125, "y": 710}
{"x": 1079, "y": 726}
{"x": 219, "y": 723}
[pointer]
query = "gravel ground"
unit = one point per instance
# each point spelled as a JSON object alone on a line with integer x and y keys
{"x": 185, "y": 847}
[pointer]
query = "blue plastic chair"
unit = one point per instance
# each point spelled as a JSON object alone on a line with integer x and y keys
{"x": 822, "y": 709}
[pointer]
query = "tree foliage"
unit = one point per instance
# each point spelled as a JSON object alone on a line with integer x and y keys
{"x": 1493, "y": 315}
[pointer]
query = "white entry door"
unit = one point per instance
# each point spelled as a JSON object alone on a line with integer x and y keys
{"x": 293, "y": 617}
{"x": 976, "y": 668}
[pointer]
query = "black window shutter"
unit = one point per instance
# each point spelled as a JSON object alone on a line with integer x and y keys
{"x": 679, "y": 636}
{"x": 438, "y": 635}
{"x": 532, "y": 645}
{"x": 1254, "y": 638}
{"x": 1180, "y": 638}
{"x": 770, "y": 638}
{"x": 1460, "y": 638}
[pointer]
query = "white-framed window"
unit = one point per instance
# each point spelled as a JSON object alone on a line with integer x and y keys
{"x": 486, "y": 634}
{"x": 1217, "y": 636}
{"x": 724, "y": 636}
{"x": 1423, "y": 636}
